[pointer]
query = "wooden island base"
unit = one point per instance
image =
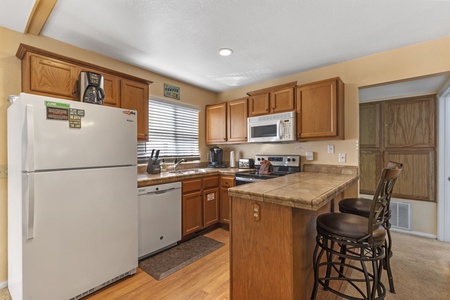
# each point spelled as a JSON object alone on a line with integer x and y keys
{"x": 273, "y": 231}
{"x": 271, "y": 258}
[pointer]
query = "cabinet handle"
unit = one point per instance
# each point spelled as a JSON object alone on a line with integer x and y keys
{"x": 273, "y": 108}
{"x": 74, "y": 92}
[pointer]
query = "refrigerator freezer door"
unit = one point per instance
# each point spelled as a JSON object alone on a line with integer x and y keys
{"x": 59, "y": 134}
{"x": 85, "y": 232}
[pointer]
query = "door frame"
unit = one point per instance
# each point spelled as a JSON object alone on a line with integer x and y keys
{"x": 443, "y": 180}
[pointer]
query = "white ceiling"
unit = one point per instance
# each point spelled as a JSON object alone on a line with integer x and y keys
{"x": 270, "y": 38}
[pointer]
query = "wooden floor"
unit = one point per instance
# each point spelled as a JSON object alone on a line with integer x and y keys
{"x": 207, "y": 278}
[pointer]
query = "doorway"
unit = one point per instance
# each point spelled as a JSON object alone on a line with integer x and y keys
{"x": 444, "y": 163}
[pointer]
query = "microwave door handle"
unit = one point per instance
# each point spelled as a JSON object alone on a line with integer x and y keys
{"x": 280, "y": 130}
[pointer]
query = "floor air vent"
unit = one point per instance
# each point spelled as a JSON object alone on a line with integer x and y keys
{"x": 401, "y": 215}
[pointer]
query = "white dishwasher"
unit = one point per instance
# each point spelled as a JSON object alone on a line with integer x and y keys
{"x": 159, "y": 217}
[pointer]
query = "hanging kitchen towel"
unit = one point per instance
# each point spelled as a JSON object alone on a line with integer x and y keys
{"x": 266, "y": 167}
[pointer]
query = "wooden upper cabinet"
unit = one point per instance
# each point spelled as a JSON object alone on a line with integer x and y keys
{"x": 134, "y": 95}
{"x": 320, "y": 110}
{"x": 410, "y": 123}
{"x": 274, "y": 99}
{"x": 216, "y": 120}
{"x": 282, "y": 100}
{"x": 237, "y": 113}
{"x": 259, "y": 104}
{"x": 370, "y": 128}
{"x": 47, "y": 76}
{"x": 112, "y": 90}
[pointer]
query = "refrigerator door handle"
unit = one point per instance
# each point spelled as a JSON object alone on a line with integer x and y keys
{"x": 29, "y": 205}
{"x": 29, "y": 110}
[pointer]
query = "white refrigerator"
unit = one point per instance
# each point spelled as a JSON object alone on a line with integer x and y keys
{"x": 72, "y": 201}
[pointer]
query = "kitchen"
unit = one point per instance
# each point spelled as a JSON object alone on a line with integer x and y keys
{"x": 354, "y": 73}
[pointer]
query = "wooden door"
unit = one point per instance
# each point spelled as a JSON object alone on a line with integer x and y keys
{"x": 401, "y": 130}
{"x": 282, "y": 100}
{"x": 259, "y": 104}
{"x": 216, "y": 128}
{"x": 237, "y": 120}
{"x": 134, "y": 95}
{"x": 50, "y": 77}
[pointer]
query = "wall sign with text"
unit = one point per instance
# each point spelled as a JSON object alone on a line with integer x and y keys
{"x": 171, "y": 91}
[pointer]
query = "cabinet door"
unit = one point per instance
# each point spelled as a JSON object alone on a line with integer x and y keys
{"x": 225, "y": 183}
{"x": 237, "y": 120}
{"x": 259, "y": 104}
{"x": 210, "y": 206}
{"x": 282, "y": 100}
{"x": 50, "y": 77}
{"x": 192, "y": 213}
{"x": 224, "y": 206}
{"x": 112, "y": 90}
{"x": 320, "y": 111}
{"x": 134, "y": 95}
{"x": 370, "y": 163}
{"x": 216, "y": 128}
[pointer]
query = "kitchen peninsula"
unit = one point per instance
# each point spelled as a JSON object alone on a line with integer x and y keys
{"x": 273, "y": 231}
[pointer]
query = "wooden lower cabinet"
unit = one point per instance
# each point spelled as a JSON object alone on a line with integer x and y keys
{"x": 200, "y": 207}
{"x": 225, "y": 183}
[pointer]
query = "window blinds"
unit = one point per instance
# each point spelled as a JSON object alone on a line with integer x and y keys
{"x": 173, "y": 129}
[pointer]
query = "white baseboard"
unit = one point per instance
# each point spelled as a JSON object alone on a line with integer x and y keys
{"x": 3, "y": 284}
{"x": 416, "y": 233}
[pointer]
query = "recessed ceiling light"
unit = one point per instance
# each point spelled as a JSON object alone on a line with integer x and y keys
{"x": 225, "y": 51}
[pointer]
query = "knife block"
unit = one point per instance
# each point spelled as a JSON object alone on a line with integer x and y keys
{"x": 153, "y": 168}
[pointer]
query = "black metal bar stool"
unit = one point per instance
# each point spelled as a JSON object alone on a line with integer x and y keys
{"x": 354, "y": 243}
{"x": 361, "y": 207}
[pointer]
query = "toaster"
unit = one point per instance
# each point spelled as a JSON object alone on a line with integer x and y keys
{"x": 246, "y": 163}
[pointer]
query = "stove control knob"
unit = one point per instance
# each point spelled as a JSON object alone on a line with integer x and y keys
{"x": 289, "y": 160}
{"x": 259, "y": 159}
{"x": 293, "y": 159}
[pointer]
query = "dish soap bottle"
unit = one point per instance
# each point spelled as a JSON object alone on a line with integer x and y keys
{"x": 163, "y": 166}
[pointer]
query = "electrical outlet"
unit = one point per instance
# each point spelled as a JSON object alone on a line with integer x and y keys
{"x": 309, "y": 155}
{"x": 342, "y": 157}
{"x": 331, "y": 148}
{"x": 3, "y": 172}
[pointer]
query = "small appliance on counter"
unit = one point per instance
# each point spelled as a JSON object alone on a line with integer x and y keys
{"x": 153, "y": 166}
{"x": 215, "y": 158}
{"x": 246, "y": 163}
{"x": 91, "y": 87}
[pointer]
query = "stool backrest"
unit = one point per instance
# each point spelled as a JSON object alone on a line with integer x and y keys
{"x": 382, "y": 198}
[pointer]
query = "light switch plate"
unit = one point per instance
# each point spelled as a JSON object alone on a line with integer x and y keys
{"x": 342, "y": 157}
{"x": 330, "y": 148}
{"x": 309, "y": 155}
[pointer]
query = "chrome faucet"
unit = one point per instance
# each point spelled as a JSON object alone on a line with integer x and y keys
{"x": 177, "y": 163}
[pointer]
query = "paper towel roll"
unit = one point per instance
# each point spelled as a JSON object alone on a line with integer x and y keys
{"x": 232, "y": 160}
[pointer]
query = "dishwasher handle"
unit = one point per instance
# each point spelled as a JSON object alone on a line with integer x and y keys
{"x": 160, "y": 192}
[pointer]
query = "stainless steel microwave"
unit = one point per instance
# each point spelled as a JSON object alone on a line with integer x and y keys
{"x": 272, "y": 128}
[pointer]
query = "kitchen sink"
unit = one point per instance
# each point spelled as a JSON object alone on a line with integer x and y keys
{"x": 189, "y": 171}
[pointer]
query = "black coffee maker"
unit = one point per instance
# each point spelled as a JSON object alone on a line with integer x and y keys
{"x": 215, "y": 158}
{"x": 91, "y": 87}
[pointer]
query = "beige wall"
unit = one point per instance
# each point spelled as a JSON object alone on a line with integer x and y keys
{"x": 414, "y": 61}
{"x": 10, "y": 84}
{"x": 405, "y": 63}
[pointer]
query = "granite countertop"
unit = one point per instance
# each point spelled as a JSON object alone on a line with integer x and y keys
{"x": 145, "y": 179}
{"x": 306, "y": 190}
